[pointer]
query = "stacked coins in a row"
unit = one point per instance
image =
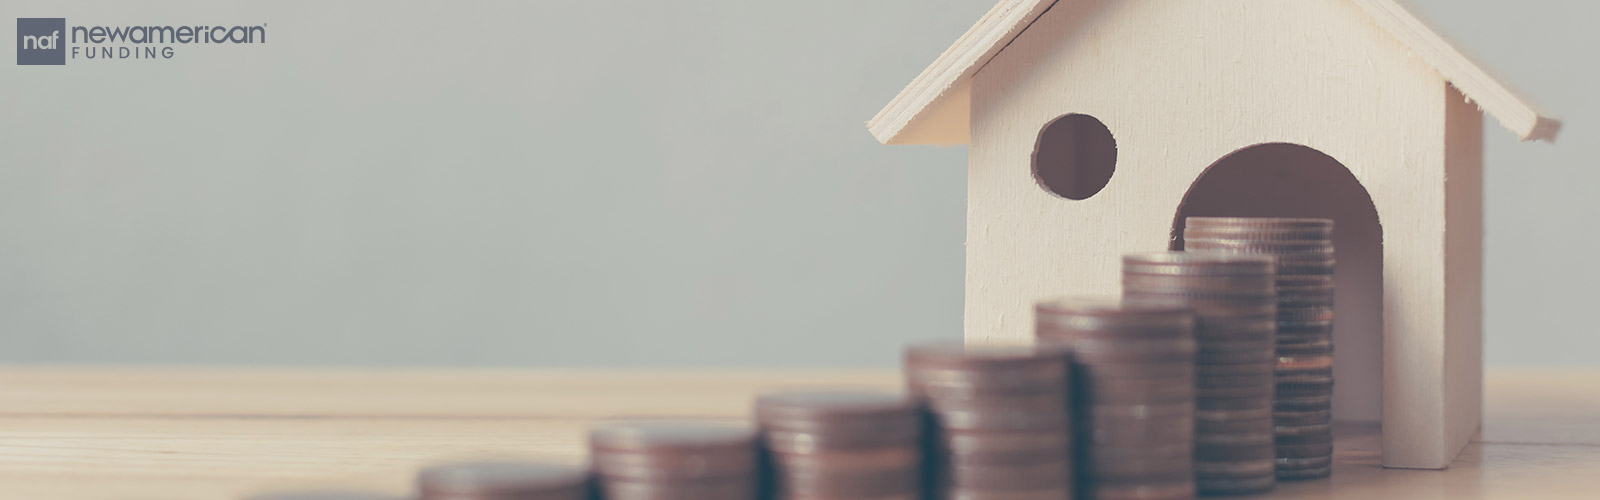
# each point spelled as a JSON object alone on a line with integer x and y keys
{"x": 842, "y": 445}
{"x": 1233, "y": 298}
{"x": 501, "y": 481}
{"x": 1304, "y": 251}
{"x": 1000, "y": 425}
{"x": 1134, "y": 394}
{"x": 674, "y": 460}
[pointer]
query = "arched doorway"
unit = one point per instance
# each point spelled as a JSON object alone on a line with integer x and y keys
{"x": 1289, "y": 180}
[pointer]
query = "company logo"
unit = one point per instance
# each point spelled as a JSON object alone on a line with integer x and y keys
{"x": 41, "y": 41}
{"x": 48, "y": 41}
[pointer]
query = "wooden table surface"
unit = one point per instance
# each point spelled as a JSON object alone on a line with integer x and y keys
{"x": 71, "y": 433}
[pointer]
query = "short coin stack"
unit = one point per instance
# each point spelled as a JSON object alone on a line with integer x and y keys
{"x": 842, "y": 445}
{"x": 1134, "y": 394}
{"x": 502, "y": 481}
{"x": 1235, "y": 304}
{"x": 1001, "y": 425}
{"x": 1304, "y": 252}
{"x": 675, "y": 460}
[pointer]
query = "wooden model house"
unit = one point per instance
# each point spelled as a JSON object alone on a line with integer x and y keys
{"x": 1095, "y": 126}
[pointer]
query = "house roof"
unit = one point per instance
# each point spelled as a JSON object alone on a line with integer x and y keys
{"x": 935, "y": 107}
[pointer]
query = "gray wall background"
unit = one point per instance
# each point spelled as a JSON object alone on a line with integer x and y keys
{"x": 635, "y": 183}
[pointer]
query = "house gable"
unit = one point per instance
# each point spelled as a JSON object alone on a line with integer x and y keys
{"x": 933, "y": 108}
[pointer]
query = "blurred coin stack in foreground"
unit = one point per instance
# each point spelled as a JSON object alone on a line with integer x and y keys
{"x": 675, "y": 460}
{"x": 1303, "y": 249}
{"x": 842, "y": 445}
{"x": 501, "y": 481}
{"x": 1000, "y": 419}
{"x": 1235, "y": 305}
{"x": 1133, "y": 394}
{"x": 321, "y": 495}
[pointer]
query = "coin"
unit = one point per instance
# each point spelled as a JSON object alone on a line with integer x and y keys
{"x": 1305, "y": 463}
{"x": 1308, "y": 473}
{"x": 672, "y": 449}
{"x": 502, "y": 478}
{"x": 744, "y": 489}
{"x": 1026, "y": 476}
{"x": 1183, "y": 490}
{"x": 1234, "y": 486}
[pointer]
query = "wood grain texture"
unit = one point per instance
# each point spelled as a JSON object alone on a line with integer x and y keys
{"x": 1539, "y": 440}
{"x": 1233, "y": 74}
{"x": 933, "y": 108}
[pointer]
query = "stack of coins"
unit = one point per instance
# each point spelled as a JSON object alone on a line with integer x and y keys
{"x": 842, "y": 445}
{"x": 502, "y": 481}
{"x": 1134, "y": 394}
{"x": 1235, "y": 304}
{"x": 1000, "y": 425}
{"x": 1303, "y": 248}
{"x": 675, "y": 460}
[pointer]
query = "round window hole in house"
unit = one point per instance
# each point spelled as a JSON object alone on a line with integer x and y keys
{"x": 1074, "y": 157}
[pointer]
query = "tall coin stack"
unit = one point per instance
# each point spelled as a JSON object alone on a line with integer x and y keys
{"x": 842, "y": 445}
{"x": 675, "y": 460}
{"x": 1304, "y": 252}
{"x": 501, "y": 481}
{"x": 1234, "y": 301}
{"x": 1000, "y": 419}
{"x": 1133, "y": 394}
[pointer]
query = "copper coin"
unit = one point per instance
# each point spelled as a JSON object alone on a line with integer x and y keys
{"x": 1302, "y": 474}
{"x": 977, "y": 445}
{"x": 1146, "y": 432}
{"x": 1304, "y": 450}
{"x": 1029, "y": 476}
{"x": 1235, "y": 486}
{"x": 1304, "y": 463}
{"x": 744, "y": 489}
{"x": 1302, "y": 417}
{"x": 1232, "y": 426}
{"x": 828, "y": 405}
{"x": 1243, "y": 468}
{"x": 1313, "y": 348}
{"x": 1004, "y": 419}
{"x": 869, "y": 484}
{"x": 1220, "y": 453}
{"x": 986, "y": 367}
{"x": 1304, "y": 314}
{"x": 1311, "y": 434}
{"x": 784, "y": 441}
{"x": 1224, "y": 284}
{"x": 1204, "y": 236}
{"x": 1234, "y": 264}
{"x": 849, "y": 461}
{"x": 1274, "y": 248}
{"x": 1106, "y": 453}
{"x": 961, "y": 494}
{"x": 1183, "y": 490}
{"x": 1259, "y": 355}
{"x": 1264, "y": 223}
{"x": 1292, "y": 363}
{"x": 1085, "y": 372}
{"x": 1239, "y": 369}
{"x": 500, "y": 479}
{"x": 1111, "y": 412}
{"x": 1096, "y": 350}
{"x": 1134, "y": 469}
{"x": 672, "y": 448}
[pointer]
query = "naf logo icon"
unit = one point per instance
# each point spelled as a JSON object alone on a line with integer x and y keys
{"x": 41, "y": 41}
